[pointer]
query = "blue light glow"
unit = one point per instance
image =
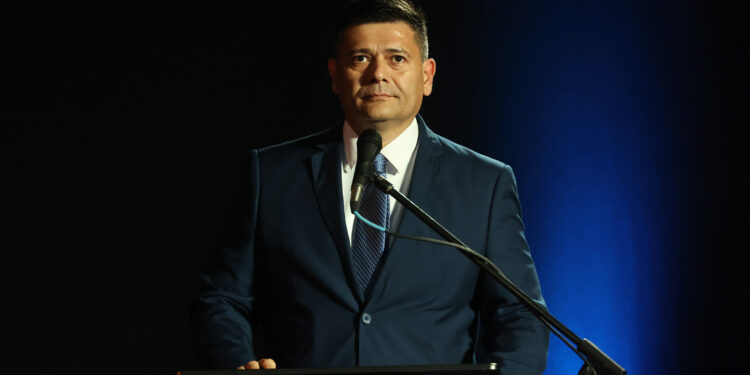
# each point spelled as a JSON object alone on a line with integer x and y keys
{"x": 577, "y": 112}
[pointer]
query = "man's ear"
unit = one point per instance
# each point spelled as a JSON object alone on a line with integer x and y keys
{"x": 332, "y": 66}
{"x": 428, "y": 72}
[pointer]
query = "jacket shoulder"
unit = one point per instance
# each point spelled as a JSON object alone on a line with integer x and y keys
{"x": 300, "y": 147}
{"x": 466, "y": 156}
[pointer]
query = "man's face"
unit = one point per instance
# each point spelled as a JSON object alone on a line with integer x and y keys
{"x": 379, "y": 75}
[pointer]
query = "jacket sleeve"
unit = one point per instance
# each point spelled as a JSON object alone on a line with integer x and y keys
{"x": 222, "y": 314}
{"x": 509, "y": 334}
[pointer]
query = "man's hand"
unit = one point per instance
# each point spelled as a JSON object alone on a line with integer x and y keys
{"x": 265, "y": 363}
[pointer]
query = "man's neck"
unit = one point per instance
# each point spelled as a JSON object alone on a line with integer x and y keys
{"x": 388, "y": 130}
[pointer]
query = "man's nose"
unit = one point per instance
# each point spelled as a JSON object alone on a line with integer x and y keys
{"x": 378, "y": 70}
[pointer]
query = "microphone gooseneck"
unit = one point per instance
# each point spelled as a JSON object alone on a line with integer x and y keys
{"x": 369, "y": 144}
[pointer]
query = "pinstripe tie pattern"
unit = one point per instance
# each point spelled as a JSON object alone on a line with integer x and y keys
{"x": 368, "y": 243}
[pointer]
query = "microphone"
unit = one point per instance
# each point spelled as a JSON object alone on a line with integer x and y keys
{"x": 369, "y": 144}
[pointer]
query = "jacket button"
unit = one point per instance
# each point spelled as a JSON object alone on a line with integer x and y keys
{"x": 366, "y": 318}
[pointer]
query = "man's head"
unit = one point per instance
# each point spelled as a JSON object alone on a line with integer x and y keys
{"x": 359, "y": 12}
{"x": 380, "y": 69}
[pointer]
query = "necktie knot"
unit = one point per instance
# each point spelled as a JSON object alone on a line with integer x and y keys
{"x": 379, "y": 164}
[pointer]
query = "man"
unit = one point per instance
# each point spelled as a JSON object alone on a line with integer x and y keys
{"x": 330, "y": 292}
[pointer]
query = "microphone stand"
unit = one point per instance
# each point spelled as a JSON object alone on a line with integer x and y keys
{"x": 596, "y": 362}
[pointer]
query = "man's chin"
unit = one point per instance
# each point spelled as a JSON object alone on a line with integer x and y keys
{"x": 378, "y": 116}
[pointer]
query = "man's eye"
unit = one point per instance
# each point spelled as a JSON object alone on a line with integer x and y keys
{"x": 399, "y": 59}
{"x": 360, "y": 59}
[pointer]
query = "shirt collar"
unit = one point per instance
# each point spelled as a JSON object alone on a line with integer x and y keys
{"x": 398, "y": 152}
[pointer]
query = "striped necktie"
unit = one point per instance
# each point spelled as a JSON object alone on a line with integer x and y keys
{"x": 368, "y": 243}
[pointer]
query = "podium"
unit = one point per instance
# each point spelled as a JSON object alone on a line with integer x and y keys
{"x": 469, "y": 369}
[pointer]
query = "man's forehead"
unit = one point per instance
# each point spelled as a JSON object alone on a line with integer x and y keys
{"x": 396, "y": 35}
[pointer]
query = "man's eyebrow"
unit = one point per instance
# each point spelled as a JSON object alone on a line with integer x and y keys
{"x": 398, "y": 50}
{"x": 369, "y": 51}
{"x": 361, "y": 50}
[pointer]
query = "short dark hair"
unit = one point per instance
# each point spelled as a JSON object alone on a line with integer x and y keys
{"x": 360, "y": 12}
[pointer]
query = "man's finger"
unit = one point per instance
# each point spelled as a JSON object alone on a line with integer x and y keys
{"x": 252, "y": 365}
{"x": 268, "y": 363}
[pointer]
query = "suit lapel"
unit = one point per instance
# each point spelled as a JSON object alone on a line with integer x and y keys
{"x": 425, "y": 166}
{"x": 326, "y": 175}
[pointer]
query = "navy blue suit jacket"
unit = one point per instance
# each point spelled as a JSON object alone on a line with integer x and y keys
{"x": 285, "y": 263}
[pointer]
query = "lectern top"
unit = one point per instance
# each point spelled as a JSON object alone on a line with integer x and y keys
{"x": 469, "y": 369}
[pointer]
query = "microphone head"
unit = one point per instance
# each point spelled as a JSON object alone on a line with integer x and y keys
{"x": 369, "y": 144}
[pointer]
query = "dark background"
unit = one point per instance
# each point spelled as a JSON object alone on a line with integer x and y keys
{"x": 127, "y": 125}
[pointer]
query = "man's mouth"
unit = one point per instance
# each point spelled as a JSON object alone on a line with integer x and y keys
{"x": 377, "y": 96}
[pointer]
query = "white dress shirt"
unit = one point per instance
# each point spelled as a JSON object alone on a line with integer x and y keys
{"x": 400, "y": 154}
